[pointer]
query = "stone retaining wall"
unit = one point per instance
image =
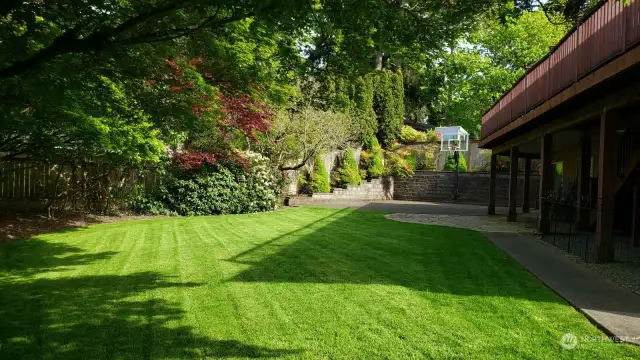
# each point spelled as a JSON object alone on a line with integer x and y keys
{"x": 376, "y": 189}
{"x": 473, "y": 188}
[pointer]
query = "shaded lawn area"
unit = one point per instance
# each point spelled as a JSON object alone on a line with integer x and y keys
{"x": 301, "y": 283}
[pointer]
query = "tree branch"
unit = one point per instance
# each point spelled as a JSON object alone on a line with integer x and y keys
{"x": 178, "y": 33}
{"x": 69, "y": 42}
{"x": 546, "y": 11}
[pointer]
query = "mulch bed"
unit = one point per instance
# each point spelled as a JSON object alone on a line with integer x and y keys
{"x": 24, "y": 225}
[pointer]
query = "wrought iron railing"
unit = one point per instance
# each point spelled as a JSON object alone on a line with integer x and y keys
{"x": 565, "y": 233}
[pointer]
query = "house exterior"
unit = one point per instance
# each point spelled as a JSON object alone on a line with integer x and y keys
{"x": 578, "y": 111}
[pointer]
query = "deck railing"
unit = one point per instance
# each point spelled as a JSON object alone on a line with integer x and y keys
{"x": 606, "y": 33}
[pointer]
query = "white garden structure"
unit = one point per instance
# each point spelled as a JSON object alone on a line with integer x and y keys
{"x": 453, "y": 138}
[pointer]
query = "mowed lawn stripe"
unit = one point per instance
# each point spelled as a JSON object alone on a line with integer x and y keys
{"x": 307, "y": 283}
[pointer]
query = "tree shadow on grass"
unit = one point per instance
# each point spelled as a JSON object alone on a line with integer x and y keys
{"x": 32, "y": 256}
{"x": 361, "y": 247}
{"x": 96, "y": 317}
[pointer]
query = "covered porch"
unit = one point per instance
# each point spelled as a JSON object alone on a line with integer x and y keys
{"x": 576, "y": 119}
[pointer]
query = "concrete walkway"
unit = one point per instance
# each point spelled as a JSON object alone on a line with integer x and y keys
{"x": 412, "y": 207}
{"x": 614, "y": 309}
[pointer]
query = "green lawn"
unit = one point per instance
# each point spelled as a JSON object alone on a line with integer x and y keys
{"x": 301, "y": 283}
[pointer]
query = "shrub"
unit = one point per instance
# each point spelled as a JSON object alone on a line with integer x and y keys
{"x": 217, "y": 190}
{"x": 365, "y": 158}
{"x": 376, "y": 164}
{"x": 372, "y": 160}
{"x": 411, "y": 135}
{"x": 398, "y": 165}
{"x": 142, "y": 203}
{"x": 319, "y": 177}
{"x": 430, "y": 152}
{"x": 264, "y": 184}
{"x": 451, "y": 163}
{"x": 349, "y": 172}
{"x": 431, "y": 137}
{"x": 212, "y": 192}
{"x": 411, "y": 158}
{"x": 304, "y": 182}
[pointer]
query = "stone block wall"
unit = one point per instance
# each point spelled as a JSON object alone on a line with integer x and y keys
{"x": 473, "y": 188}
{"x": 376, "y": 189}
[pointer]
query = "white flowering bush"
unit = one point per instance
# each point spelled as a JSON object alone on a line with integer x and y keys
{"x": 262, "y": 184}
{"x": 216, "y": 189}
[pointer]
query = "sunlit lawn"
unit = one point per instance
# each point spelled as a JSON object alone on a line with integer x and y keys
{"x": 301, "y": 283}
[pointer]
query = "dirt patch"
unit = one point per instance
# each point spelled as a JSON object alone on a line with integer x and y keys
{"x": 24, "y": 225}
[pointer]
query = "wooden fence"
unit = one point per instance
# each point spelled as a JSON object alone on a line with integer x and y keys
{"x": 73, "y": 186}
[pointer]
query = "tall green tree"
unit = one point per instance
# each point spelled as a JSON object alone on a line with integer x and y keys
{"x": 362, "y": 108}
{"x": 462, "y": 81}
{"x": 172, "y": 59}
{"x": 388, "y": 104}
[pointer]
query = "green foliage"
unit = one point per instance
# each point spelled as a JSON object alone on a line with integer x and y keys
{"x": 410, "y": 135}
{"x": 375, "y": 163}
{"x": 319, "y": 177}
{"x": 450, "y": 165}
{"x": 363, "y": 173}
{"x": 140, "y": 202}
{"x": 429, "y": 159}
{"x": 432, "y": 137}
{"x": 362, "y": 108}
{"x": 349, "y": 172}
{"x": 412, "y": 159}
{"x": 398, "y": 166}
{"x": 342, "y": 101}
{"x": 400, "y": 162}
{"x": 462, "y": 82}
{"x": 117, "y": 83}
{"x": 388, "y": 104}
{"x": 303, "y": 181}
{"x": 214, "y": 191}
{"x": 148, "y": 205}
{"x": 296, "y": 137}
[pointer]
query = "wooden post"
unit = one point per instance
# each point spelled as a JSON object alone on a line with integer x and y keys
{"x": 526, "y": 192}
{"x": 584, "y": 178}
{"x": 606, "y": 182}
{"x": 546, "y": 181}
{"x": 492, "y": 184}
{"x": 635, "y": 226}
{"x": 513, "y": 185}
